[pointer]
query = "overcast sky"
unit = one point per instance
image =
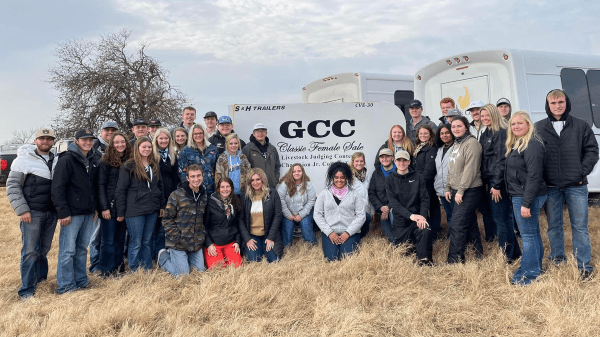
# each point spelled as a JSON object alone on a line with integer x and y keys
{"x": 241, "y": 51}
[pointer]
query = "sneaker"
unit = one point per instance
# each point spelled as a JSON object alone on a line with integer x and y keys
{"x": 587, "y": 275}
{"x": 163, "y": 256}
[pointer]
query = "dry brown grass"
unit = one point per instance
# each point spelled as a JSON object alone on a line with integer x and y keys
{"x": 377, "y": 291}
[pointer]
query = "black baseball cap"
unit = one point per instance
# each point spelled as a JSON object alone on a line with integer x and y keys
{"x": 211, "y": 114}
{"x": 503, "y": 101}
{"x": 140, "y": 121}
{"x": 415, "y": 103}
{"x": 155, "y": 122}
{"x": 84, "y": 133}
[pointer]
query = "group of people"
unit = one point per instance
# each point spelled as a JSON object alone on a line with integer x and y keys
{"x": 197, "y": 197}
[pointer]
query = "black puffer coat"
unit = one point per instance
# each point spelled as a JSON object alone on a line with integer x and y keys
{"x": 134, "y": 197}
{"x": 524, "y": 173}
{"x": 572, "y": 155}
{"x": 424, "y": 164}
{"x": 220, "y": 229}
{"x": 493, "y": 149}
{"x": 271, "y": 216}
{"x": 107, "y": 184}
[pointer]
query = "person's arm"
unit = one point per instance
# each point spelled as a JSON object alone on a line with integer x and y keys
{"x": 589, "y": 151}
{"x": 281, "y": 192}
{"x": 319, "y": 214}
{"x": 14, "y": 187}
{"x": 373, "y": 197}
{"x": 172, "y": 232}
{"x": 312, "y": 198}
{"x": 276, "y": 221}
{"x": 499, "y": 152}
{"x": 103, "y": 202}
{"x": 121, "y": 191}
{"x": 472, "y": 155}
{"x": 359, "y": 214}
{"x": 243, "y": 229}
{"x": 220, "y": 169}
{"x": 277, "y": 165}
{"x": 393, "y": 202}
{"x": 161, "y": 188}
{"x": 534, "y": 160}
{"x": 208, "y": 225}
{"x": 60, "y": 182}
{"x": 430, "y": 170}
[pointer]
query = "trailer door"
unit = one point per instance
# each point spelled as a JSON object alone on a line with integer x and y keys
{"x": 464, "y": 91}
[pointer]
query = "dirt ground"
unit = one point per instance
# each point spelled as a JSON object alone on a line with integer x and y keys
{"x": 376, "y": 292}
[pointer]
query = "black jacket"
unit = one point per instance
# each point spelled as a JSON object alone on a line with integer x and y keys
{"x": 573, "y": 154}
{"x": 99, "y": 149}
{"x": 524, "y": 173}
{"x": 218, "y": 141}
{"x": 424, "y": 164}
{"x": 407, "y": 194}
{"x": 169, "y": 176}
{"x": 107, "y": 184}
{"x": 134, "y": 197}
{"x": 377, "y": 192}
{"x": 271, "y": 216}
{"x": 493, "y": 147}
{"x": 220, "y": 229}
{"x": 73, "y": 190}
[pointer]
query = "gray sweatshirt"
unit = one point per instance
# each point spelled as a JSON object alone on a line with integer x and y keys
{"x": 348, "y": 216}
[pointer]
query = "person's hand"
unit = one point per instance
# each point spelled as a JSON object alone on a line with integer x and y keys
{"x": 291, "y": 218}
{"x": 251, "y": 244}
{"x": 448, "y": 196}
{"x": 496, "y": 196}
{"x": 106, "y": 215}
{"x": 270, "y": 244}
{"x": 458, "y": 198}
{"x": 212, "y": 250}
{"x": 344, "y": 237}
{"x": 525, "y": 212}
{"x": 420, "y": 220}
{"x": 335, "y": 239}
{"x": 161, "y": 213}
{"x": 121, "y": 218}
{"x": 26, "y": 217}
{"x": 65, "y": 221}
{"x": 236, "y": 247}
{"x": 95, "y": 215}
{"x": 297, "y": 218}
{"x": 385, "y": 212}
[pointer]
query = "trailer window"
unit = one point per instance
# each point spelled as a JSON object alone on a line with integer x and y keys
{"x": 574, "y": 83}
{"x": 402, "y": 98}
{"x": 593, "y": 80}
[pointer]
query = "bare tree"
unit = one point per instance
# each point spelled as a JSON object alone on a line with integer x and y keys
{"x": 101, "y": 81}
{"x": 22, "y": 136}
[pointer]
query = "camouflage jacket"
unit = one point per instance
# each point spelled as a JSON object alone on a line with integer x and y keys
{"x": 184, "y": 219}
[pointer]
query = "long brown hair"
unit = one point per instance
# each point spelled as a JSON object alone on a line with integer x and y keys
{"x": 406, "y": 143}
{"x": 431, "y": 141}
{"x": 112, "y": 157}
{"x": 235, "y": 201}
{"x": 290, "y": 182}
{"x": 140, "y": 171}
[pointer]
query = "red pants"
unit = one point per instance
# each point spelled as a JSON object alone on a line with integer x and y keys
{"x": 225, "y": 254}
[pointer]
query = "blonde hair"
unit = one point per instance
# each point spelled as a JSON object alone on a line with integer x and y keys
{"x": 139, "y": 170}
{"x": 498, "y": 122}
{"x": 250, "y": 192}
{"x": 356, "y": 155}
{"x": 177, "y": 146}
{"x": 556, "y": 93}
{"x": 170, "y": 146}
{"x": 520, "y": 143}
{"x": 229, "y": 138}
{"x": 192, "y": 143}
{"x": 405, "y": 143}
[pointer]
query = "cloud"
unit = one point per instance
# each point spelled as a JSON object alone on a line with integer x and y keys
{"x": 264, "y": 31}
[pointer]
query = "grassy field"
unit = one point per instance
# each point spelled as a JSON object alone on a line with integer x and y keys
{"x": 376, "y": 292}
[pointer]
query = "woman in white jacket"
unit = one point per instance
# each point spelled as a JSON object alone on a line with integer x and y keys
{"x": 339, "y": 212}
{"x": 445, "y": 140}
{"x": 298, "y": 197}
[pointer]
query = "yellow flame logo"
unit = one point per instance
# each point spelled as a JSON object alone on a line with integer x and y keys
{"x": 464, "y": 101}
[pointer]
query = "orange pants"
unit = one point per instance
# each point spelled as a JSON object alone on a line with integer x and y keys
{"x": 226, "y": 254}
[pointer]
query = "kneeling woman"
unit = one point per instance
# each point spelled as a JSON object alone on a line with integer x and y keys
{"x": 183, "y": 222}
{"x": 408, "y": 198}
{"x": 339, "y": 212}
{"x": 261, "y": 218}
{"x": 139, "y": 197}
{"x": 222, "y": 217}
{"x": 525, "y": 184}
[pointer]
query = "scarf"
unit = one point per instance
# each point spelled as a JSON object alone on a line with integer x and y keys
{"x": 463, "y": 137}
{"x": 227, "y": 205}
{"x": 164, "y": 154}
{"x": 340, "y": 193}
{"x": 387, "y": 173}
{"x": 418, "y": 148}
{"x": 361, "y": 175}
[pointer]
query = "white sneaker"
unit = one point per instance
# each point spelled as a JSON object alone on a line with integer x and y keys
{"x": 163, "y": 256}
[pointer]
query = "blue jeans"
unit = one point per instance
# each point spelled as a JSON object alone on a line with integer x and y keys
{"x": 335, "y": 252}
{"x": 72, "y": 253}
{"x": 502, "y": 212}
{"x": 364, "y": 230}
{"x": 448, "y": 206}
{"x": 95, "y": 243}
{"x": 533, "y": 247}
{"x": 261, "y": 250}
{"x": 178, "y": 262}
{"x": 36, "y": 238}
{"x": 111, "y": 248}
{"x": 577, "y": 204}
{"x": 140, "y": 230}
{"x": 306, "y": 225}
{"x": 387, "y": 225}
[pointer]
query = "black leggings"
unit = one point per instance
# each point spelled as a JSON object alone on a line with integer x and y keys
{"x": 463, "y": 228}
